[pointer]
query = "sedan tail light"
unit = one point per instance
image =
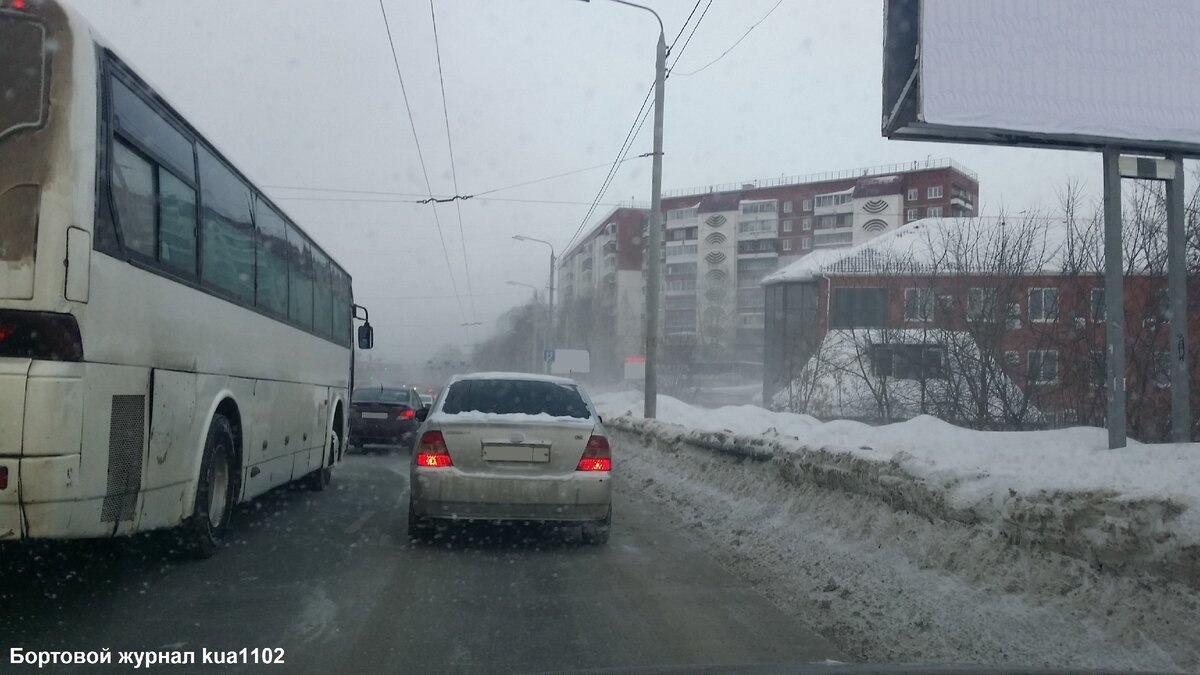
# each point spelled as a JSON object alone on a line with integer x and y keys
{"x": 432, "y": 452}
{"x": 596, "y": 455}
{"x": 406, "y": 414}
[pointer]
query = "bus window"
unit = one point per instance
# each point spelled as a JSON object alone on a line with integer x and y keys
{"x": 176, "y": 223}
{"x": 300, "y": 279}
{"x": 133, "y": 196}
{"x": 137, "y": 121}
{"x": 272, "y": 261}
{"x": 322, "y": 296}
{"x": 341, "y": 306}
{"x": 22, "y": 75}
{"x": 227, "y": 248}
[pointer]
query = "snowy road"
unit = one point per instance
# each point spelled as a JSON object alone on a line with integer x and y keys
{"x": 333, "y": 580}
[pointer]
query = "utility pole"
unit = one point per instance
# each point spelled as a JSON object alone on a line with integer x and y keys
{"x": 652, "y": 283}
{"x": 550, "y": 329}
{"x": 654, "y": 246}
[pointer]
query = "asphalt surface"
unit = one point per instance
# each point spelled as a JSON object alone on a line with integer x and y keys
{"x": 332, "y": 579}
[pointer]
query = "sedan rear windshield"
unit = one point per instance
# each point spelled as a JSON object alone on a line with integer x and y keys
{"x": 509, "y": 397}
{"x": 381, "y": 396}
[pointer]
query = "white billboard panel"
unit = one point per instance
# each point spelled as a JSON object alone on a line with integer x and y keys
{"x": 1065, "y": 73}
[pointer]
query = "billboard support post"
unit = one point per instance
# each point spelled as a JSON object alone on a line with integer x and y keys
{"x": 1181, "y": 417}
{"x": 1114, "y": 301}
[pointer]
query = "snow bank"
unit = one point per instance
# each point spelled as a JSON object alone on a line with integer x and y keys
{"x": 1135, "y": 510}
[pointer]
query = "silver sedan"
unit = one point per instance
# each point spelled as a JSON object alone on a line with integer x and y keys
{"x": 512, "y": 446}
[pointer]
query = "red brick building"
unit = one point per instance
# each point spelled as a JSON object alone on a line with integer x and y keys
{"x": 938, "y": 314}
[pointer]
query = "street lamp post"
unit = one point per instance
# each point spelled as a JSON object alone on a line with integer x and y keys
{"x": 532, "y": 328}
{"x": 550, "y": 332}
{"x": 654, "y": 245}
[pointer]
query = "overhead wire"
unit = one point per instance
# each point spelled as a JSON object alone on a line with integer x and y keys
{"x": 735, "y": 44}
{"x": 453, "y": 170}
{"x": 639, "y": 120}
{"x": 421, "y": 158}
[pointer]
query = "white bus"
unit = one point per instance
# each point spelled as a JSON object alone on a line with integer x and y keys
{"x": 171, "y": 343}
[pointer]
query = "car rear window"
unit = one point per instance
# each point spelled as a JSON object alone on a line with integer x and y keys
{"x": 510, "y": 397}
{"x": 381, "y": 396}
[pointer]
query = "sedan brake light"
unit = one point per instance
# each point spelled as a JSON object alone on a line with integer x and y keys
{"x": 406, "y": 414}
{"x": 432, "y": 452}
{"x": 596, "y": 455}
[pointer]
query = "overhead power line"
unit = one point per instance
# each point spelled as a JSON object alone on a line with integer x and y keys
{"x": 638, "y": 121}
{"x": 453, "y": 170}
{"x": 688, "y": 41}
{"x": 421, "y": 158}
{"x": 371, "y": 200}
{"x": 735, "y": 44}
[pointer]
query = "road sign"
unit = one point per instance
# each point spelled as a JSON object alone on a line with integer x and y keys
{"x": 548, "y": 355}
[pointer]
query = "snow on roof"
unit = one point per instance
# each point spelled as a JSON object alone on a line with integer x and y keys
{"x": 941, "y": 246}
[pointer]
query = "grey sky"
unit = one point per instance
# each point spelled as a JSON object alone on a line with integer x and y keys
{"x": 304, "y": 93}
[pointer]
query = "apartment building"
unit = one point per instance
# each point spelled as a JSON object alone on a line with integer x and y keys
{"x": 979, "y": 322}
{"x": 602, "y": 291}
{"x": 720, "y": 241}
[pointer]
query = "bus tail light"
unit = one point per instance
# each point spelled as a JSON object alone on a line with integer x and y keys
{"x": 40, "y": 335}
{"x": 432, "y": 452}
{"x": 596, "y": 455}
{"x": 3, "y": 477}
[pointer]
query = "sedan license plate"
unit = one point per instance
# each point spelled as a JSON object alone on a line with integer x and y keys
{"x": 516, "y": 453}
{"x": 374, "y": 416}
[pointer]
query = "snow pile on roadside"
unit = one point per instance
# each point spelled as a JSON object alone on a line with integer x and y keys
{"x": 1135, "y": 509}
{"x": 893, "y": 586}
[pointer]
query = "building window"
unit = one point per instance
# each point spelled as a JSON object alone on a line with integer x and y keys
{"x": 683, "y": 214}
{"x": 981, "y": 304}
{"x": 806, "y": 224}
{"x": 1099, "y": 308}
{"x": 1012, "y": 357}
{"x": 934, "y": 192}
{"x": 934, "y": 212}
{"x": 912, "y": 194}
{"x": 787, "y": 207}
{"x": 805, "y": 243}
{"x": 911, "y": 215}
{"x": 759, "y": 207}
{"x": 918, "y": 304}
{"x": 787, "y": 226}
{"x": 1043, "y": 305}
{"x": 787, "y": 244}
{"x": 756, "y": 226}
{"x": 807, "y": 205}
{"x": 908, "y": 362}
{"x": 858, "y": 308}
{"x": 1043, "y": 366}
{"x": 1012, "y": 313}
{"x": 826, "y": 221}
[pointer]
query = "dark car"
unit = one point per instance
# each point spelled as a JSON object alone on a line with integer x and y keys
{"x": 383, "y": 416}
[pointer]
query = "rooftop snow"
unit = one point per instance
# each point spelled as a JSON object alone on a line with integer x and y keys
{"x": 940, "y": 245}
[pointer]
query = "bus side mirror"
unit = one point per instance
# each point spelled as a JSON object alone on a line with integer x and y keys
{"x": 366, "y": 336}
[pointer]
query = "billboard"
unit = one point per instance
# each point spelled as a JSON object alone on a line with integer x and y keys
{"x": 1081, "y": 74}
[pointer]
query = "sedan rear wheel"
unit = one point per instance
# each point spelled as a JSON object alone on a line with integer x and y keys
{"x": 597, "y": 533}
{"x": 419, "y": 529}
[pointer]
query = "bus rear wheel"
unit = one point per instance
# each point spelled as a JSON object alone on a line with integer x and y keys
{"x": 320, "y": 479}
{"x": 202, "y": 533}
